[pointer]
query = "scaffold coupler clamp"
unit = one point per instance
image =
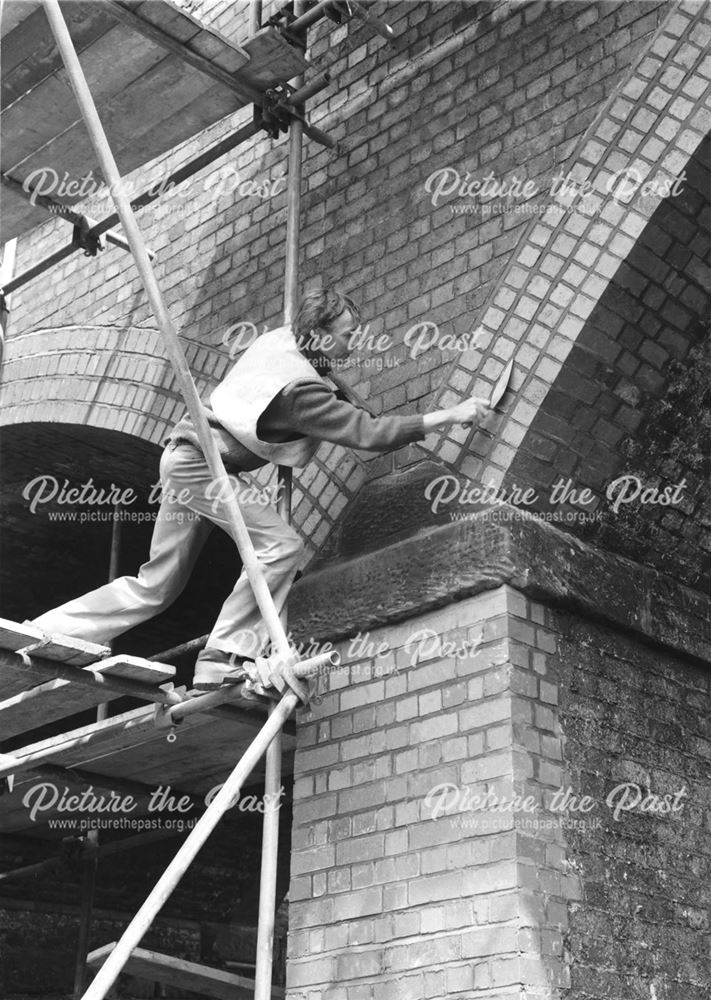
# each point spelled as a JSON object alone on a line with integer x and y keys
{"x": 87, "y": 241}
{"x": 162, "y": 714}
{"x": 277, "y": 671}
{"x": 259, "y": 678}
{"x": 271, "y": 116}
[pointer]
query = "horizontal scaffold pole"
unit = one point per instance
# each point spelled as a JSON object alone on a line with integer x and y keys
{"x": 40, "y": 267}
{"x": 191, "y": 646}
{"x": 93, "y": 677}
{"x": 150, "y": 195}
{"x": 63, "y": 211}
{"x": 77, "y": 776}
{"x": 96, "y": 678}
{"x": 102, "y": 850}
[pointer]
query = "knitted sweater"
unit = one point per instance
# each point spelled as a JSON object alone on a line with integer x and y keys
{"x": 308, "y": 408}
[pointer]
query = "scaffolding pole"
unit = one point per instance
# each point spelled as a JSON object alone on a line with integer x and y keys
{"x": 56, "y": 208}
{"x": 255, "y": 17}
{"x": 212, "y": 701}
{"x": 181, "y": 174}
{"x": 163, "y": 695}
{"x": 224, "y": 800}
{"x": 275, "y": 626}
{"x": 272, "y": 778}
{"x": 90, "y": 861}
{"x": 102, "y": 850}
{"x": 89, "y": 865}
{"x": 173, "y": 347}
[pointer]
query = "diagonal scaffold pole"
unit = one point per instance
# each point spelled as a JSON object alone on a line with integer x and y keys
{"x": 231, "y": 789}
{"x": 171, "y": 340}
{"x": 223, "y": 801}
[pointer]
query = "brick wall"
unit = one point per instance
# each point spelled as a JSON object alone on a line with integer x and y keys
{"x": 634, "y": 715}
{"x": 443, "y": 98}
{"x": 555, "y": 896}
{"x": 629, "y": 398}
{"x": 567, "y": 253}
{"x": 38, "y": 947}
{"x": 387, "y": 900}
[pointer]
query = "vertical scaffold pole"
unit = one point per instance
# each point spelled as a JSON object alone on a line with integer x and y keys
{"x": 272, "y": 778}
{"x": 7, "y": 269}
{"x": 224, "y": 800}
{"x": 255, "y": 17}
{"x": 90, "y": 864}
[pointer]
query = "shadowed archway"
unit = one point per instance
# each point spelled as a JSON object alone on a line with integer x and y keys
{"x": 55, "y": 547}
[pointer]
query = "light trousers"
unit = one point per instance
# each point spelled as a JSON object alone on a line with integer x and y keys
{"x": 191, "y": 504}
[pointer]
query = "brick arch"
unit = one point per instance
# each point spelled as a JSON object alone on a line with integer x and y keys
{"x": 632, "y": 398}
{"x": 647, "y": 323}
{"x": 568, "y": 254}
{"x": 116, "y": 378}
{"x": 110, "y": 377}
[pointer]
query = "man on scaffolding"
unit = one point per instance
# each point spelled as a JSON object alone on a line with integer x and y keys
{"x": 273, "y": 406}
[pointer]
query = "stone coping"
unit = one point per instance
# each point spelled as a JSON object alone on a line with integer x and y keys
{"x": 449, "y": 563}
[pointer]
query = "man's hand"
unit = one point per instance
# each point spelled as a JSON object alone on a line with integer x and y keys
{"x": 470, "y": 411}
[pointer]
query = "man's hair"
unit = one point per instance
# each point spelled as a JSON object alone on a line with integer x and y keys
{"x": 317, "y": 310}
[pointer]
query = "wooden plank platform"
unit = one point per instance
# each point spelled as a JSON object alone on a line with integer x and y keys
{"x": 29, "y": 52}
{"x": 272, "y": 60}
{"x": 157, "y": 968}
{"x": 205, "y": 751}
{"x": 31, "y": 700}
{"x": 32, "y": 707}
{"x": 13, "y": 13}
{"x": 142, "y": 98}
{"x": 181, "y": 26}
{"x": 48, "y": 110}
{"x": 63, "y": 649}
{"x": 128, "y": 747}
{"x": 139, "y": 128}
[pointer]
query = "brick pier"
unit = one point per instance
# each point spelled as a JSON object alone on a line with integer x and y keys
{"x": 540, "y": 691}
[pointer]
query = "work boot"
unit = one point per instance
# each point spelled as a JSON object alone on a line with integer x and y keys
{"x": 215, "y": 667}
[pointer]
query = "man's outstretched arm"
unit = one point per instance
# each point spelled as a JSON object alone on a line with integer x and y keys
{"x": 312, "y": 408}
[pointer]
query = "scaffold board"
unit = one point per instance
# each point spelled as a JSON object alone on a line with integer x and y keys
{"x": 208, "y": 982}
{"x": 31, "y": 700}
{"x": 150, "y": 99}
